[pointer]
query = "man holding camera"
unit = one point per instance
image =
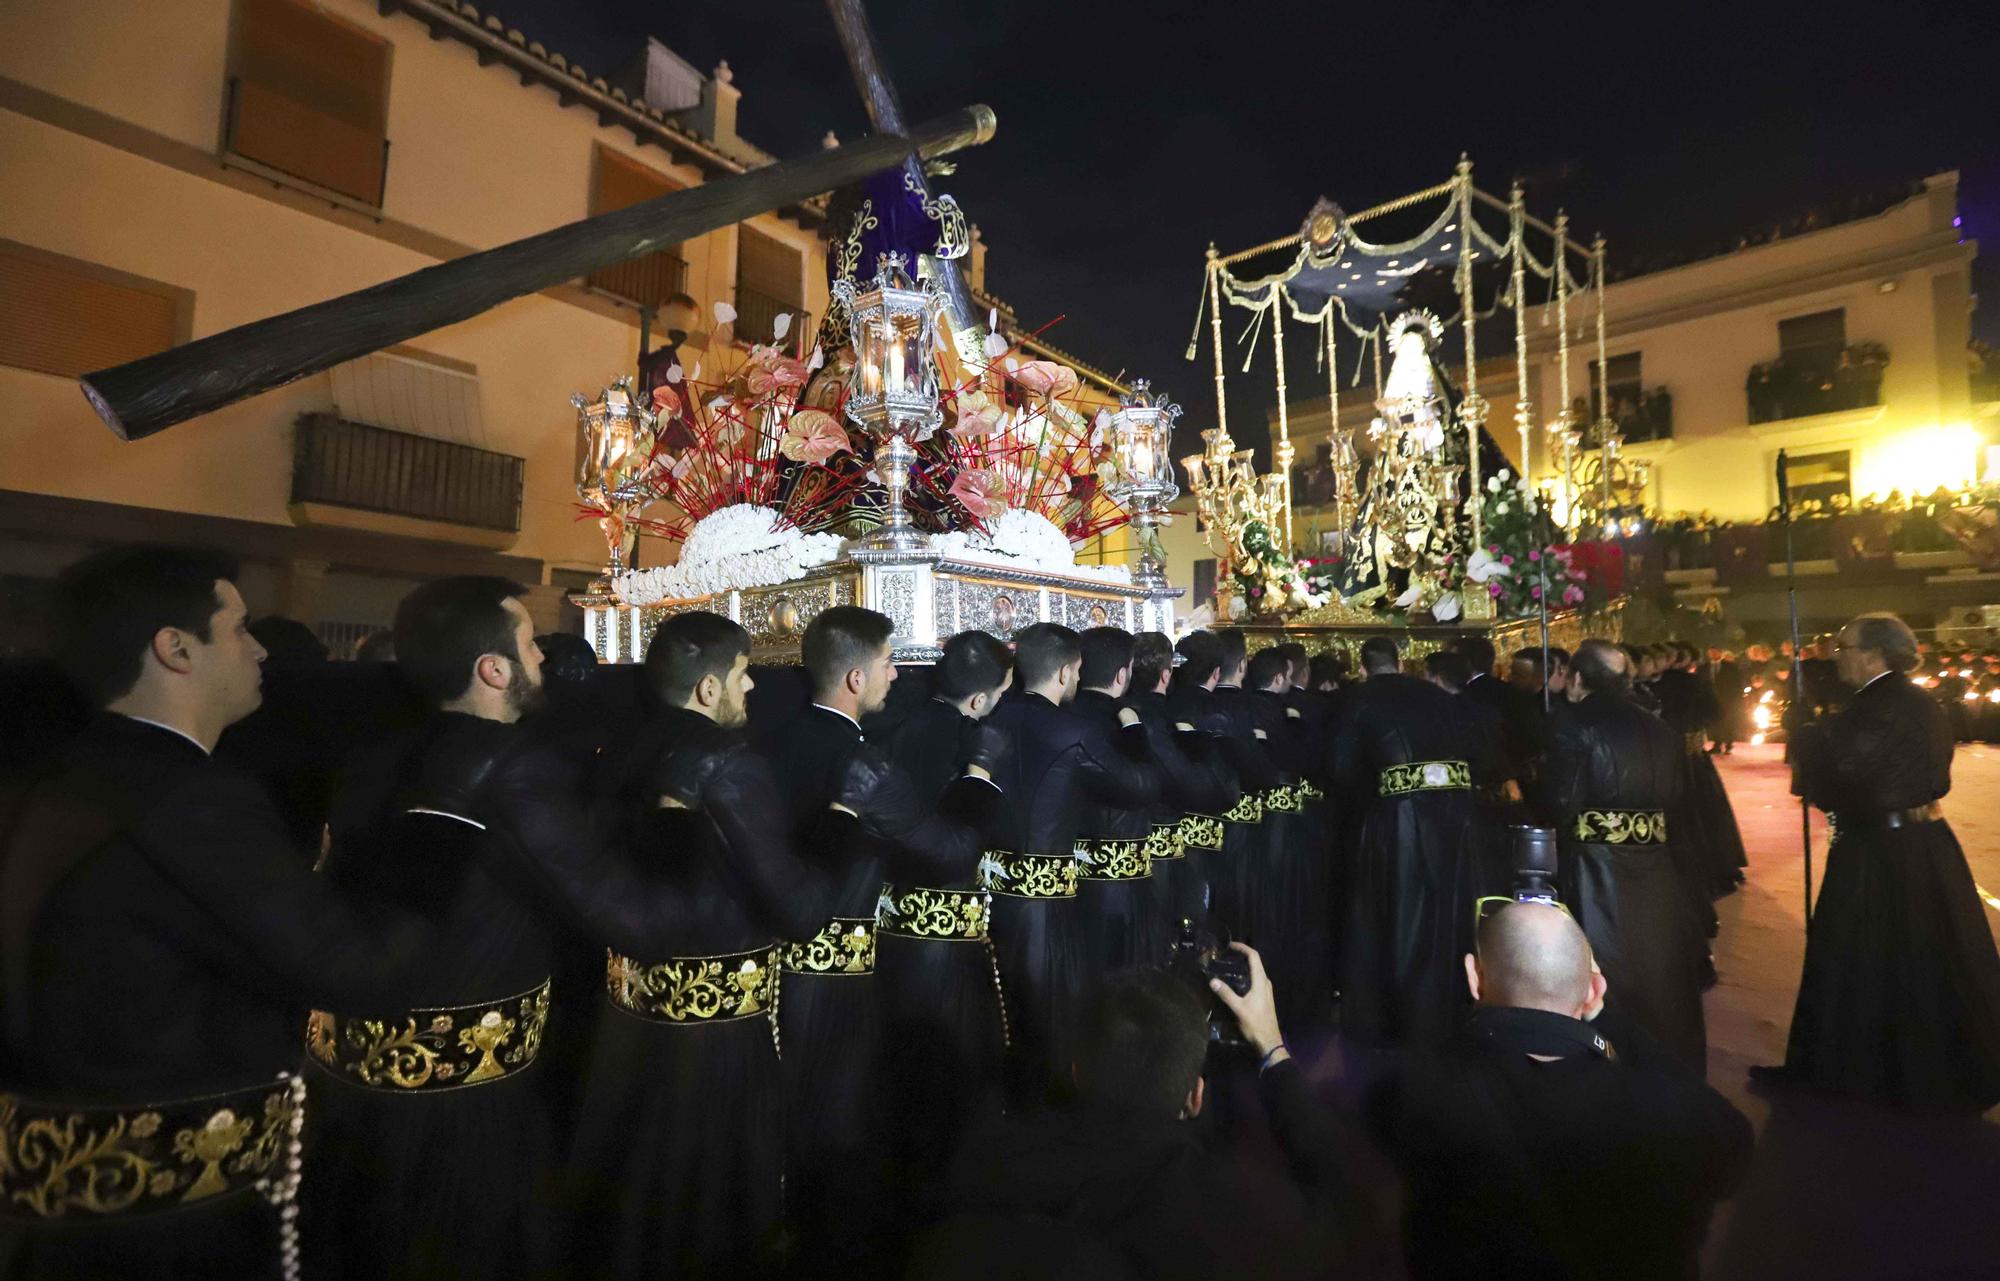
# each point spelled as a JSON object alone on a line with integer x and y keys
{"x": 1126, "y": 1164}
{"x": 1550, "y": 1141}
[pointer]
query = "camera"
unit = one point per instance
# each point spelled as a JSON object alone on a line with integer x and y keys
{"x": 1200, "y": 952}
{"x": 1534, "y": 858}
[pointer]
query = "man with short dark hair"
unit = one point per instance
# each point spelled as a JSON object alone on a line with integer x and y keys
{"x": 1126, "y": 1164}
{"x": 1450, "y": 671}
{"x": 1551, "y": 1140}
{"x": 157, "y": 938}
{"x": 1117, "y": 909}
{"x": 478, "y": 827}
{"x": 679, "y": 1153}
{"x": 1059, "y": 761}
{"x": 1196, "y": 785}
{"x": 1900, "y": 999}
{"x": 1401, "y": 761}
{"x": 1246, "y": 841}
{"x": 1286, "y": 893}
{"x": 1614, "y": 776}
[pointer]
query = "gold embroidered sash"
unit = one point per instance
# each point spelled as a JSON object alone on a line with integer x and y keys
{"x": 1030, "y": 875}
{"x": 1200, "y": 832}
{"x": 696, "y": 989}
{"x": 1311, "y": 792}
{"x": 432, "y": 1049}
{"x": 1622, "y": 827}
{"x": 1164, "y": 842}
{"x": 1112, "y": 859}
{"x": 954, "y": 916}
{"x": 1248, "y": 810}
{"x": 845, "y": 946}
{"x": 1283, "y": 799}
{"x": 1425, "y": 776}
{"x": 60, "y": 1162}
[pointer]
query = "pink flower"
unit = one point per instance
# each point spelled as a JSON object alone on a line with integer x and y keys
{"x": 1535, "y": 592}
{"x": 979, "y": 492}
{"x": 812, "y": 436}
{"x": 1507, "y": 560}
{"x": 1494, "y": 548}
{"x": 769, "y": 371}
{"x": 978, "y": 415}
{"x": 1534, "y": 556}
{"x": 1572, "y": 595}
{"x": 1045, "y": 378}
{"x": 1495, "y": 590}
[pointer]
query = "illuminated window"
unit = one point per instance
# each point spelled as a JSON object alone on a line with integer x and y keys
{"x": 309, "y": 97}
{"x": 68, "y": 317}
{"x": 1821, "y": 476}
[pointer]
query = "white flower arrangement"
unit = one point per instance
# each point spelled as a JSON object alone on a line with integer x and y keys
{"x": 730, "y": 549}
{"x": 1024, "y": 540}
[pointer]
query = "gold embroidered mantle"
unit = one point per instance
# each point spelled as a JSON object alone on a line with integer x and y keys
{"x": 1109, "y": 859}
{"x": 1425, "y": 776}
{"x": 432, "y": 1049}
{"x": 1200, "y": 832}
{"x": 1622, "y": 827}
{"x": 844, "y": 945}
{"x": 56, "y": 1161}
{"x": 1164, "y": 842}
{"x": 949, "y": 915}
{"x": 1030, "y": 875}
{"x": 696, "y": 989}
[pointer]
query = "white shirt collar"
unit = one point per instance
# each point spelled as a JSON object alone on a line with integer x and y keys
{"x": 1876, "y": 677}
{"x": 181, "y": 733}
{"x": 837, "y": 712}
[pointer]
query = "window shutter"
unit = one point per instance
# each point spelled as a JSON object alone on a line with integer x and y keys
{"x": 1819, "y": 332}
{"x": 58, "y": 316}
{"x": 620, "y": 183}
{"x": 310, "y": 97}
{"x": 767, "y": 266}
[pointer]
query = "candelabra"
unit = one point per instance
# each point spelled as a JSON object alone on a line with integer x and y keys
{"x": 1141, "y": 439}
{"x": 617, "y": 435}
{"x": 894, "y": 393}
{"x": 1231, "y": 500}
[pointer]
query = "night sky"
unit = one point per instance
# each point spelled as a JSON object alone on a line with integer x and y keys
{"x": 1131, "y": 134}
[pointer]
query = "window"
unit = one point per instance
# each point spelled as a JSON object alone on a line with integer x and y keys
{"x": 309, "y": 97}
{"x": 1624, "y": 390}
{"x": 1204, "y": 583}
{"x": 1639, "y": 413}
{"x": 768, "y": 283}
{"x": 67, "y": 317}
{"x": 1819, "y": 477}
{"x": 1813, "y": 343}
{"x": 621, "y": 182}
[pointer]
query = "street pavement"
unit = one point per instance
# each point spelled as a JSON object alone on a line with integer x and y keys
{"x": 1838, "y": 1188}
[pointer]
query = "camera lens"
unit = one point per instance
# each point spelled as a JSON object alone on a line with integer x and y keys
{"x": 1535, "y": 851}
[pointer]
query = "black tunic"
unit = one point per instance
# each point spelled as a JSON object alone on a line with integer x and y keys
{"x": 1901, "y": 993}
{"x": 1400, "y": 760}
{"x": 1244, "y": 844}
{"x": 1059, "y": 761}
{"x": 1689, "y": 705}
{"x": 1120, "y": 920}
{"x": 1194, "y": 780}
{"x": 158, "y": 936}
{"x": 1609, "y": 756}
{"x": 1288, "y": 895}
{"x": 679, "y": 1154}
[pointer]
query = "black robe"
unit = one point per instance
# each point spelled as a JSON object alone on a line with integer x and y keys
{"x": 1901, "y": 993}
{"x": 1194, "y": 780}
{"x": 1288, "y": 899}
{"x": 1059, "y": 761}
{"x": 158, "y": 939}
{"x": 678, "y": 1161}
{"x": 1120, "y": 919}
{"x": 1625, "y": 887}
{"x": 1688, "y": 703}
{"x": 1244, "y": 842}
{"x": 1414, "y": 872}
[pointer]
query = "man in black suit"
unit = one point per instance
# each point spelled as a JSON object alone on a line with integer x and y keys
{"x": 1552, "y": 1140}
{"x": 1521, "y": 720}
{"x": 1196, "y": 784}
{"x": 1244, "y": 838}
{"x": 1116, "y": 905}
{"x": 158, "y": 936}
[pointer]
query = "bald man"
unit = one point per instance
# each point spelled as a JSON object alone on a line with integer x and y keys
{"x": 1554, "y": 1140}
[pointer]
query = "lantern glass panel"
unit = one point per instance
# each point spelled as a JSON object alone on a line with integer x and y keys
{"x": 875, "y": 340}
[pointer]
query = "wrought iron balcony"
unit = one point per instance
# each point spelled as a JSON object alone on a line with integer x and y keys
{"x": 1816, "y": 382}
{"x": 372, "y": 469}
{"x": 757, "y": 315}
{"x": 647, "y": 281}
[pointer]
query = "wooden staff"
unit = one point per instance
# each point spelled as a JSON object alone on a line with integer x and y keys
{"x": 153, "y": 393}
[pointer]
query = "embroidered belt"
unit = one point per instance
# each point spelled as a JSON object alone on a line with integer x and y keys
{"x": 1284, "y": 799}
{"x": 1622, "y": 827}
{"x": 1112, "y": 859}
{"x": 1248, "y": 810}
{"x": 58, "y": 1161}
{"x": 845, "y": 945}
{"x": 697, "y": 989}
{"x": 1029, "y": 875}
{"x": 1164, "y": 842}
{"x": 1200, "y": 832}
{"x": 1931, "y": 813}
{"x": 1425, "y": 776}
{"x": 432, "y": 1049}
{"x": 956, "y": 916}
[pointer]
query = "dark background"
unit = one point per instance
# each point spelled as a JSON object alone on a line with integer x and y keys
{"x": 1132, "y": 134}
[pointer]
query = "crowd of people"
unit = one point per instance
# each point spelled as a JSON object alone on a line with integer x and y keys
{"x": 489, "y": 961}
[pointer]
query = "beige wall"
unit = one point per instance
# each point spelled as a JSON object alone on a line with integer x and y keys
{"x": 476, "y": 160}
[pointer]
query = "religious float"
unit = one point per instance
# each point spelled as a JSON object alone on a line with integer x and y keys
{"x": 1434, "y": 530}
{"x": 910, "y": 460}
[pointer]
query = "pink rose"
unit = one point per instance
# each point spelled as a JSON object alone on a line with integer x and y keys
{"x": 978, "y": 491}
{"x": 1534, "y": 556}
{"x": 1506, "y": 560}
{"x": 1495, "y": 590}
{"x": 812, "y": 436}
{"x": 1045, "y": 378}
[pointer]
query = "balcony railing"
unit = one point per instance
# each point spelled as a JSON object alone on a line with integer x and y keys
{"x": 1804, "y": 384}
{"x": 757, "y": 314}
{"x": 647, "y": 281}
{"x": 1643, "y": 414}
{"x": 371, "y": 469}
